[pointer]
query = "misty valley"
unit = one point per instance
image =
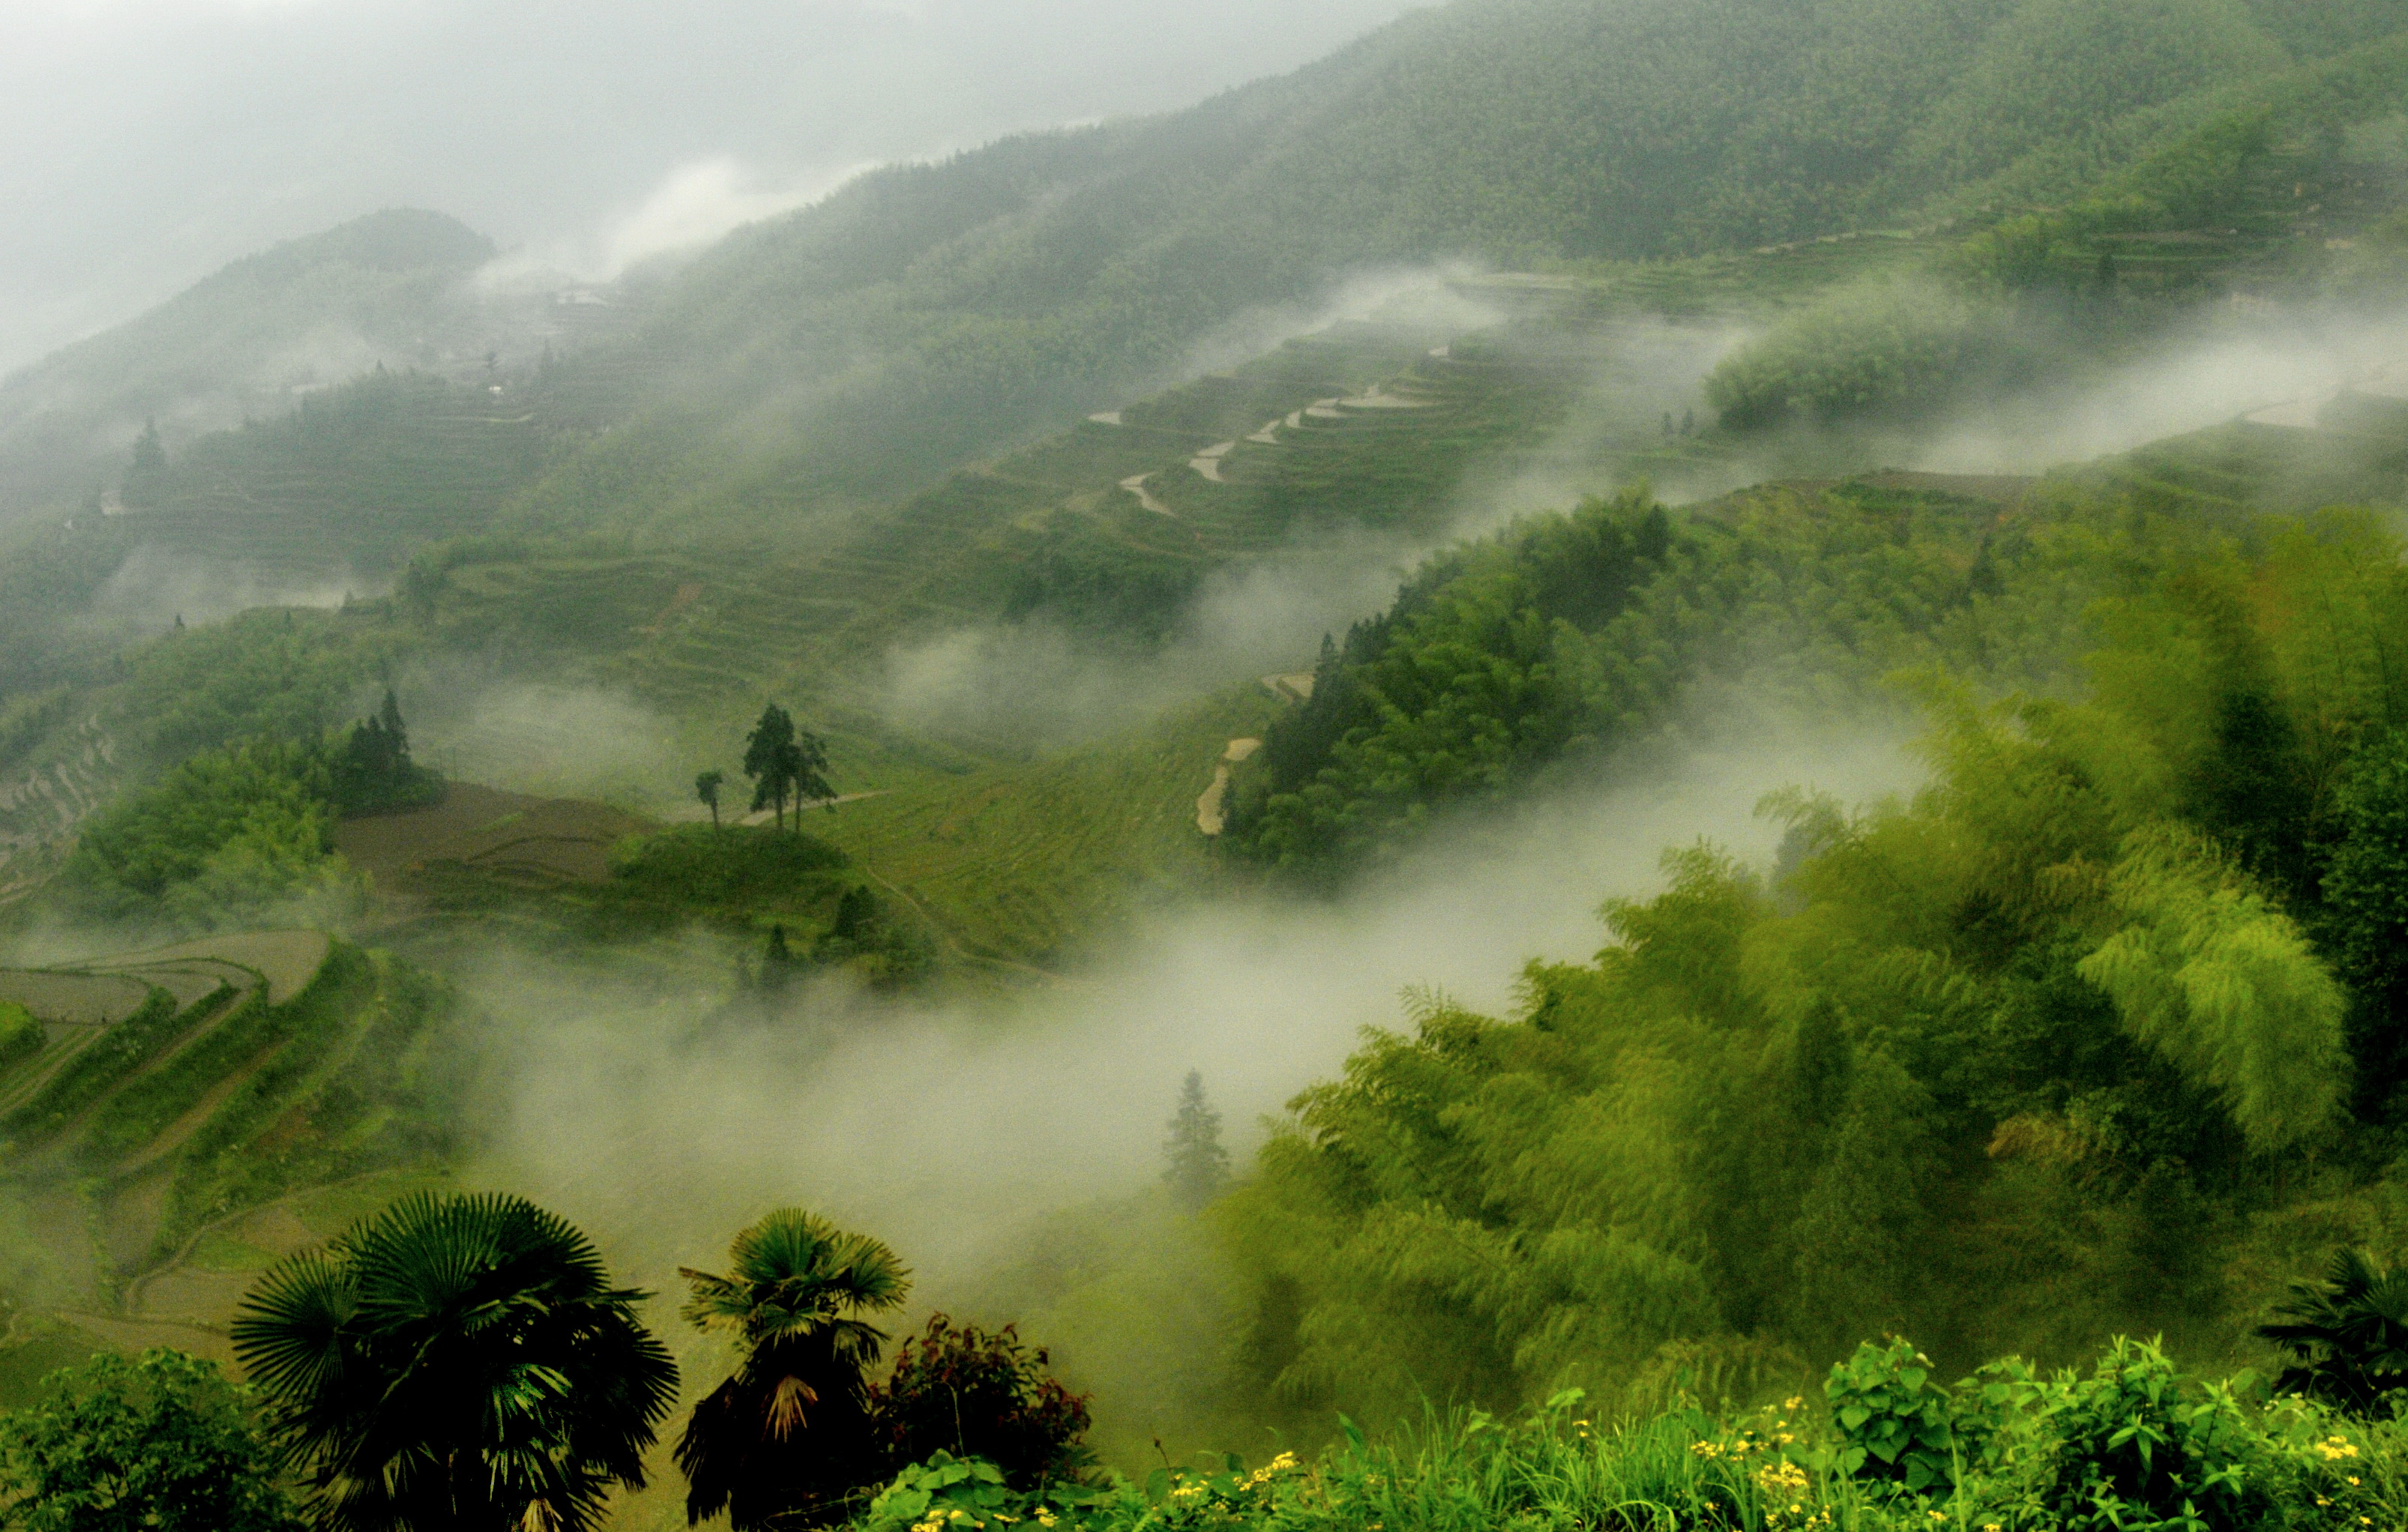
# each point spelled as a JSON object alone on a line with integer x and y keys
{"x": 1628, "y": 765}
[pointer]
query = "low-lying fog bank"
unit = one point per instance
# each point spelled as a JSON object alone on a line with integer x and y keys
{"x": 945, "y": 1130}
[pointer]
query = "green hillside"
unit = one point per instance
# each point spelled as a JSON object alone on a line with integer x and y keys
{"x": 1555, "y": 359}
{"x": 927, "y": 314}
{"x": 834, "y": 362}
{"x": 306, "y": 314}
{"x": 237, "y": 1069}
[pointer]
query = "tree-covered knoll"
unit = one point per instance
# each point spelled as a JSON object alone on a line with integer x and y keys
{"x": 1570, "y": 635}
{"x": 244, "y": 825}
{"x": 223, "y": 837}
{"x": 268, "y": 673}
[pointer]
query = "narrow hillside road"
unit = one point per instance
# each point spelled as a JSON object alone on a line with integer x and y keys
{"x": 1135, "y": 484}
{"x": 1208, "y": 462}
{"x": 1212, "y": 816}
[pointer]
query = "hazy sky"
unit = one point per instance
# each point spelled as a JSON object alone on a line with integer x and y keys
{"x": 143, "y": 143}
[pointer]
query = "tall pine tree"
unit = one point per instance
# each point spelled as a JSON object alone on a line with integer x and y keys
{"x": 1196, "y": 1166}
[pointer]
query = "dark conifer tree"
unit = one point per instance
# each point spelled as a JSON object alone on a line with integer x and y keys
{"x": 768, "y": 760}
{"x": 1196, "y": 1166}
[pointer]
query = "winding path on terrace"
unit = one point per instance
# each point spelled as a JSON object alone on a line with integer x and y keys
{"x": 1135, "y": 484}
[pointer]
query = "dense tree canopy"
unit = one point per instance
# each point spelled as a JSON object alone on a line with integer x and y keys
{"x": 161, "y": 1442}
{"x": 1979, "y": 1065}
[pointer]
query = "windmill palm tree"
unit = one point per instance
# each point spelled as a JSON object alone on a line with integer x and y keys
{"x": 2348, "y": 1336}
{"x": 784, "y": 1441}
{"x": 456, "y": 1361}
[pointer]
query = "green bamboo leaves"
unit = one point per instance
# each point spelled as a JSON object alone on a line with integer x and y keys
{"x": 2222, "y": 985}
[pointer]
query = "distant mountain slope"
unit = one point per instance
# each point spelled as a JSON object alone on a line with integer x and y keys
{"x": 306, "y": 313}
{"x": 844, "y": 358}
{"x": 848, "y": 352}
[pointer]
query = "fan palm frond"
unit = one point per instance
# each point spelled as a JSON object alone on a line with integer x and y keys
{"x": 782, "y": 1442}
{"x": 2348, "y": 1336}
{"x": 456, "y": 1360}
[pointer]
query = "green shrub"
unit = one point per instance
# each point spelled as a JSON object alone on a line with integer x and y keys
{"x": 1894, "y": 1423}
{"x": 161, "y": 1442}
{"x": 971, "y": 1496}
{"x": 1899, "y": 347}
{"x": 987, "y": 1396}
{"x": 697, "y": 866}
{"x": 2136, "y": 1443}
{"x": 21, "y": 1035}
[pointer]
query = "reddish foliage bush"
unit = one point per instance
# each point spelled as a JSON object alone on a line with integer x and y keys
{"x": 983, "y": 1394}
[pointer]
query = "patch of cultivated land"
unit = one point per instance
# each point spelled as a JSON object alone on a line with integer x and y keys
{"x": 74, "y": 999}
{"x": 287, "y": 960}
{"x": 512, "y": 834}
{"x": 195, "y": 1295}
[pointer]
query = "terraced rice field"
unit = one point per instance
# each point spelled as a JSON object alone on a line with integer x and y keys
{"x": 287, "y": 961}
{"x": 354, "y": 481}
{"x": 73, "y": 1000}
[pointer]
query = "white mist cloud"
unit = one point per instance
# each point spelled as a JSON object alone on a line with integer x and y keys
{"x": 153, "y": 587}
{"x": 541, "y": 738}
{"x": 696, "y": 204}
{"x": 2227, "y": 365}
{"x": 1425, "y": 298}
{"x": 945, "y": 1128}
{"x": 151, "y": 141}
{"x": 1038, "y": 683}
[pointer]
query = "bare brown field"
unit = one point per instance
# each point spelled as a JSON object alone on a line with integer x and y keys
{"x": 509, "y": 834}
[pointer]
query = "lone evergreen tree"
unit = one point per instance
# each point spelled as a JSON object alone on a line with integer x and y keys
{"x": 807, "y": 767}
{"x": 705, "y": 787}
{"x": 769, "y": 751}
{"x": 1197, "y": 1168}
{"x": 786, "y": 762}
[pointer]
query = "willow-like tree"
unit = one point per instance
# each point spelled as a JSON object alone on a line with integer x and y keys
{"x": 787, "y": 1441}
{"x": 456, "y": 1361}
